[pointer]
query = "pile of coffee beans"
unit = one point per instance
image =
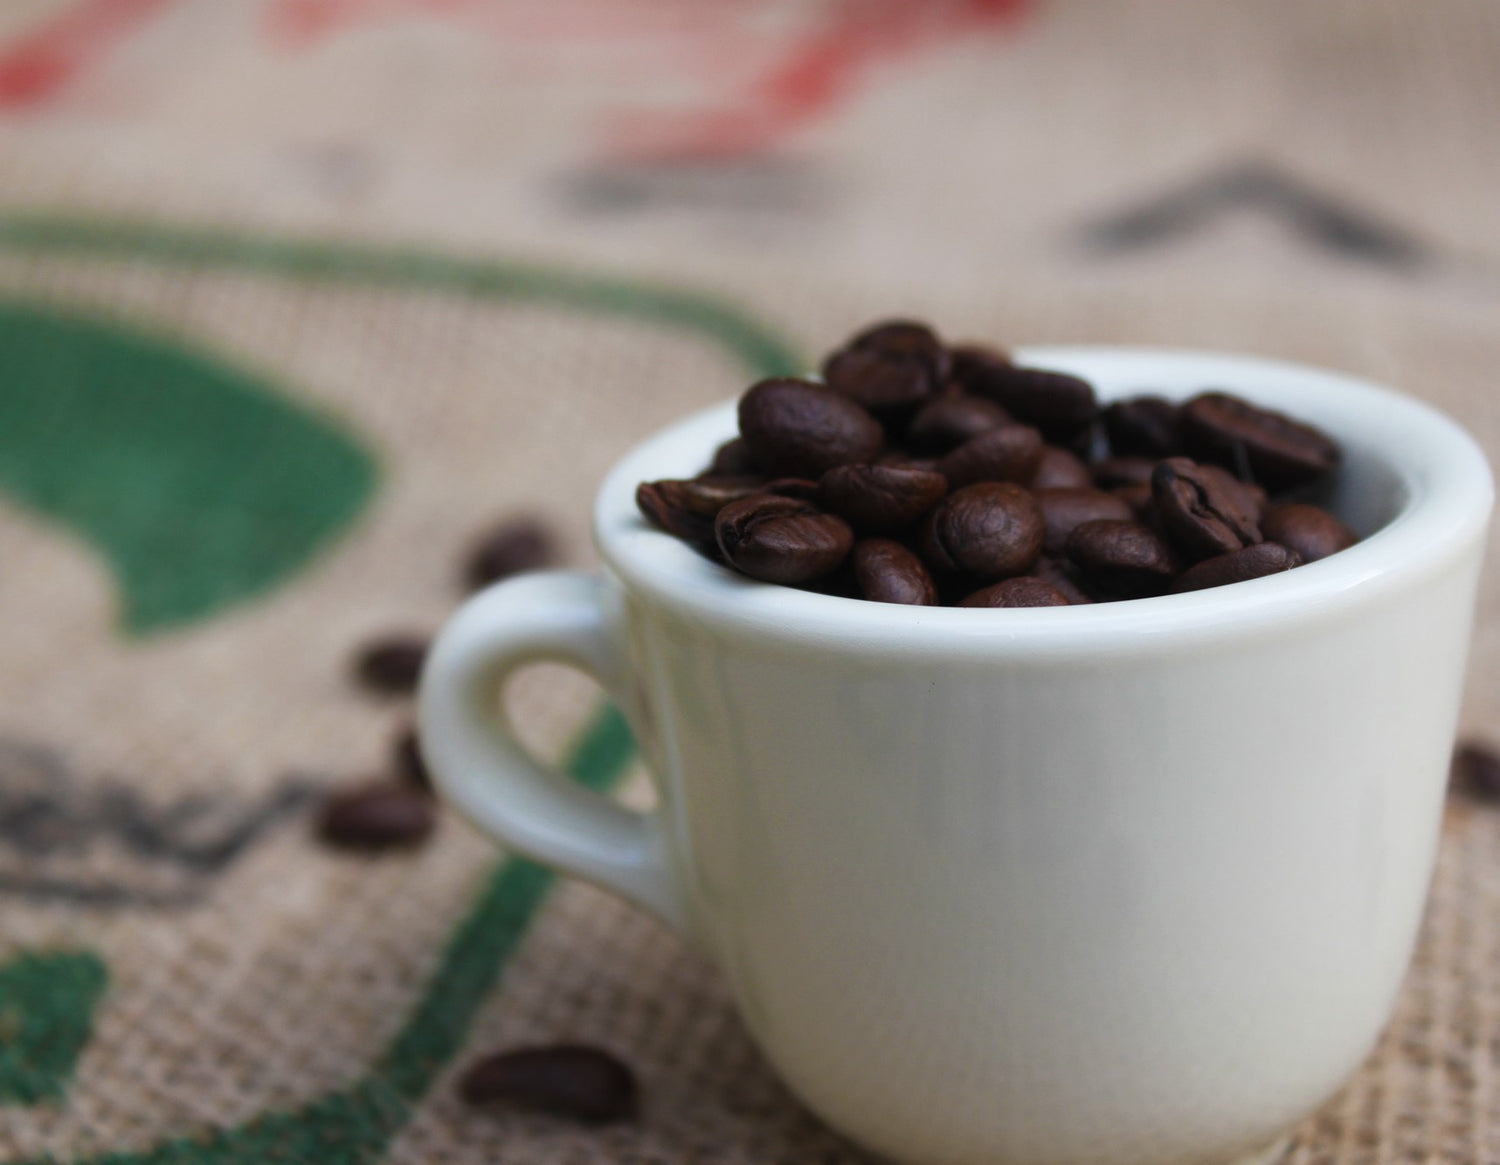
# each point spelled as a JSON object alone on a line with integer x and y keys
{"x": 925, "y": 474}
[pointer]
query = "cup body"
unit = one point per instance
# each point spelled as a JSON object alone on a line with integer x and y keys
{"x": 1124, "y": 884}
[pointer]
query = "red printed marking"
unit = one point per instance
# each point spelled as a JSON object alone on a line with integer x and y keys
{"x": 36, "y": 67}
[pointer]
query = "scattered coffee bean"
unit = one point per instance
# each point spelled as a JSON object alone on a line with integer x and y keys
{"x": 1143, "y": 426}
{"x": 1201, "y": 515}
{"x": 880, "y": 499}
{"x": 1064, "y": 510}
{"x": 950, "y": 420}
{"x": 585, "y": 1084}
{"x": 1122, "y": 558}
{"x": 990, "y": 530}
{"x": 391, "y": 665}
{"x": 379, "y": 816}
{"x": 1238, "y": 566}
{"x": 1060, "y": 469}
{"x": 1312, "y": 532}
{"x": 1114, "y": 472}
{"x": 887, "y": 572}
{"x": 1009, "y": 453}
{"x": 1476, "y": 771}
{"x": 1277, "y": 451}
{"x": 795, "y": 428}
{"x": 782, "y": 540}
{"x": 1060, "y": 405}
{"x": 409, "y": 765}
{"x": 514, "y": 546}
{"x": 1025, "y": 591}
{"x": 732, "y": 459}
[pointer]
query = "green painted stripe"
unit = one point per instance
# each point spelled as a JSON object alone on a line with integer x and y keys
{"x": 355, "y": 1126}
{"x": 758, "y": 347}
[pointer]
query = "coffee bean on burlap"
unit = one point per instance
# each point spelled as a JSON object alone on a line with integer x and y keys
{"x": 1063, "y": 510}
{"x": 1061, "y": 406}
{"x": 687, "y": 508}
{"x": 991, "y": 530}
{"x": 1009, "y": 453}
{"x": 1143, "y": 426}
{"x": 1475, "y": 771}
{"x": 377, "y": 816}
{"x": 1256, "y": 561}
{"x": 1063, "y": 575}
{"x": 1311, "y": 531}
{"x": 1275, "y": 450}
{"x": 880, "y": 499}
{"x": 782, "y": 540}
{"x": 952, "y": 419}
{"x": 733, "y": 459}
{"x": 1025, "y": 591}
{"x": 795, "y": 428}
{"x": 575, "y": 1081}
{"x": 1060, "y": 469}
{"x": 1122, "y": 558}
{"x": 1200, "y": 513}
{"x": 1114, "y": 472}
{"x": 408, "y": 762}
{"x": 887, "y": 572}
{"x": 391, "y": 665}
{"x": 516, "y": 545}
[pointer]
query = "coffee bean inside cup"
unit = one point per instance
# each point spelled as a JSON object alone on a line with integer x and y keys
{"x": 917, "y": 472}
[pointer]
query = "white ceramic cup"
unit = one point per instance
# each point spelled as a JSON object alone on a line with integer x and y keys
{"x": 1124, "y": 884}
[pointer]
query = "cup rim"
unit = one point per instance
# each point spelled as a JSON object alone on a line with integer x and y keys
{"x": 1449, "y": 493}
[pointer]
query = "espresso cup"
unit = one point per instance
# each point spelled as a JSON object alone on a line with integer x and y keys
{"x": 1125, "y": 884}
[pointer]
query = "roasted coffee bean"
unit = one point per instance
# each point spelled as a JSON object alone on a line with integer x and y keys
{"x": 1026, "y": 591}
{"x": 391, "y": 665}
{"x": 1143, "y": 426}
{"x": 782, "y": 540}
{"x": 948, "y": 421}
{"x": 990, "y": 530}
{"x": 1238, "y": 566}
{"x": 887, "y": 572}
{"x": 1063, "y": 575}
{"x": 906, "y": 338}
{"x": 1201, "y": 516}
{"x": 732, "y": 459}
{"x": 889, "y": 369}
{"x": 802, "y": 488}
{"x": 1060, "y": 405}
{"x": 1250, "y": 498}
{"x": 880, "y": 499}
{"x": 408, "y": 761}
{"x": 1009, "y": 453}
{"x": 1312, "y": 532}
{"x": 581, "y": 1083}
{"x": 687, "y": 508}
{"x": 1064, "y": 510}
{"x": 1277, "y": 451}
{"x": 379, "y": 816}
{"x": 1122, "y": 558}
{"x": 1061, "y": 470}
{"x": 1138, "y": 498}
{"x": 795, "y": 428}
{"x": 902, "y": 460}
{"x": 516, "y": 545}
{"x": 977, "y": 364}
{"x": 1476, "y": 771}
{"x": 1113, "y": 472}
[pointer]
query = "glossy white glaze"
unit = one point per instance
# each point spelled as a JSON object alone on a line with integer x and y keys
{"x": 1124, "y": 884}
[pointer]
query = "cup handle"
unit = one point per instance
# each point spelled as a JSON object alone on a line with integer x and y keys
{"x": 477, "y": 763}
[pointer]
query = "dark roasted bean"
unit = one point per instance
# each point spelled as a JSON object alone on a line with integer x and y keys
{"x": 991, "y": 530}
{"x": 782, "y": 540}
{"x": 1312, "y": 532}
{"x": 1122, "y": 558}
{"x": 1063, "y": 575}
{"x": 516, "y": 545}
{"x": 408, "y": 761}
{"x": 665, "y": 505}
{"x": 1026, "y": 591}
{"x": 1143, "y": 426}
{"x": 795, "y": 428}
{"x": 887, "y": 572}
{"x": 393, "y": 664}
{"x": 732, "y": 459}
{"x": 1060, "y": 469}
{"x": 581, "y": 1083}
{"x": 1476, "y": 771}
{"x": 1113, "y": 472}
{"x": 379, "y": 816}
{"x": 802, "y": 488}
{"x": 1009, "y": 453}
{"x": 952, "y": 419}
{"x": 1238, "y": 566}
{"x": 1200, "y": 514}
{"x": 889, "y": 369}
{"x": 1063, "y": 510}
{"x": 906, "y": 338}
{"x": 1277, "y": 451}
{"x": 880, "y": 499}
{"x": 1060, "y": 405}
{"x": 1250, "y": 498}
{"x": 1138, "y": 498}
